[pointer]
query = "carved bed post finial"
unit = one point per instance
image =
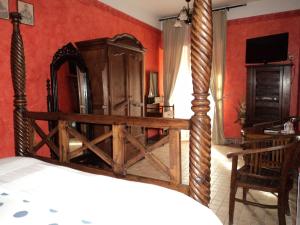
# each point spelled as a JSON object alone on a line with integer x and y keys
{"x": 200, "y": 135}
{"x": 17, "y": 61}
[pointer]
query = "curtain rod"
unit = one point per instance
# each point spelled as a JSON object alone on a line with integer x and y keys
{"x": 216, "y": 9}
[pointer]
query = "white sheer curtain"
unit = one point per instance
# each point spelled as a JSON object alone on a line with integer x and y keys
{"x": 182, "y": 94}
{"x": 177, "y": 72}
{"x": 218, "y": 73}
{"x": 173, "y": 42}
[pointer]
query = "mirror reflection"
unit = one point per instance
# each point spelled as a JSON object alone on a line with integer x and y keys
{"x": 68, "y": 91}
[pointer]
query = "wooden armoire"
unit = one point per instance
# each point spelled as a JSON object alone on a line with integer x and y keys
{"x": 268, "y": 93}
{"x": 116, "y": 72}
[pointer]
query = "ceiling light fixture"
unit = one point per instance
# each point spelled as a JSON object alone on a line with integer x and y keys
{"x": 178, "y": 22}
{"x": 185, "y": 15}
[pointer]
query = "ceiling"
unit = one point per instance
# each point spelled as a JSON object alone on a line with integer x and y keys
{"x": 222, "y": 3}
{"x": 160, "y": 8}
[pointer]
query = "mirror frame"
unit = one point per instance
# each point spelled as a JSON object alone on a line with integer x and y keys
{"x": 66, "y": 54}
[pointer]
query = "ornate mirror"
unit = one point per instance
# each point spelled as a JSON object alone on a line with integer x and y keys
{"x": 68, "y": 91}
{"x": 69, "y": 82}
{"x": 152, "y": 87}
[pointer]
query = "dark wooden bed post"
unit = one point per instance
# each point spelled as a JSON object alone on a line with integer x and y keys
{"x": 19, "y": 78}
{"x": 200, "y": 134}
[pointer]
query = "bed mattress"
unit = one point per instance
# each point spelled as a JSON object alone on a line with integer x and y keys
{"x": 35, "y": 192}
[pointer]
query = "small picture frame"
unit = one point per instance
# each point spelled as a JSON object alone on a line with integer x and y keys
{"x": 26, "y": 11}
{"x": 4, "y": 12}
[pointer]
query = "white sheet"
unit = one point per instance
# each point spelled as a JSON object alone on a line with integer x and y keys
{"x": 36, "y": 193}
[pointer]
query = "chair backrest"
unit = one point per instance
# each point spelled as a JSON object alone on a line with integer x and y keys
{"x": 157, "y": 110}
{"x": 277, "y": 156}
{"x": 153, "y": 107}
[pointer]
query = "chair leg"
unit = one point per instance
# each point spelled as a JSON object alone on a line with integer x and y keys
{"x": 245, "y": 191}
{"x": 146, "y": 135}
{"x": 281, "y": 209}
{"x": 287, "y": 205}
{"x": 231, "y": 204}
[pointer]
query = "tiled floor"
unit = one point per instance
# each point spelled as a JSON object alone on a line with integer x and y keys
{"x": 220, "y": 182}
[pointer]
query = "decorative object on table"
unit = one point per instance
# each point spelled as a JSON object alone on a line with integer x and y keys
{"x": 295, "y": 120}
{"x": 271, "y": 131}
{"x": 288, "y": 128}
{"x": 241, "y": 113}
{"x": 26, "y": 11}
{"x": 4, "y": 13}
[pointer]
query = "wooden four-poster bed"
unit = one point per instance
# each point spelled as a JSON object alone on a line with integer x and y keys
{"x": 75, "y": 197}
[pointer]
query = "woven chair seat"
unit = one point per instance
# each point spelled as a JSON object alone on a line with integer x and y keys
{"x": 269, "y": 179}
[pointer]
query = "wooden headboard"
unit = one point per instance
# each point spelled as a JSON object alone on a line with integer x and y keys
{"x": 200, "y": 132}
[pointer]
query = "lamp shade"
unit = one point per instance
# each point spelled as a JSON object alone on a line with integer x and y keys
{"x": 177, "y": 23}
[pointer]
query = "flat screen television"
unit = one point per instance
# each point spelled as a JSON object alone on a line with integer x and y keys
{"x": 266, "y": 49}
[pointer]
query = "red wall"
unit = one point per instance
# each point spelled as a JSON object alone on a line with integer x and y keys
{"x": 58, "y": 22}
{"x": 235, "y": 81}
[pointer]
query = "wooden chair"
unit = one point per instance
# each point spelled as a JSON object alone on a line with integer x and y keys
{"x": 267, "y": 168}
{"x": 157, "y": 110}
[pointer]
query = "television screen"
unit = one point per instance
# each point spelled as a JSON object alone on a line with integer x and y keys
{"x": 272, "y": 48}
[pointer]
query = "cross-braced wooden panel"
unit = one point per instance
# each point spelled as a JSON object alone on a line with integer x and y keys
{"x": 47, "y": 139}
{"x": 59, "y": 139}
{"x": 173, "y": 171}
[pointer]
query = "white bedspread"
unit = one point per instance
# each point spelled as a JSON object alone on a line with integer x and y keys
{"x": 33, "y": 192}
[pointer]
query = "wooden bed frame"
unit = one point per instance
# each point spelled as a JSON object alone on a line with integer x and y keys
{"x": 199, "y": 124}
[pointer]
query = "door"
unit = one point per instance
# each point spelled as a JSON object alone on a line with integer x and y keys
{"x": 118, "y": 82}
{"x": 96, "y": 60}
{"x": 268, "y": 93}
{"x": 136, "y": 84}
{"x": 136, "y": 77}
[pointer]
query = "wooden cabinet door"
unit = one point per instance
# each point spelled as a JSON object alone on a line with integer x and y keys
{"x": 136, "y": 83}
{"x": 135, "y": 80}
{"x": 118, "y": 87}
{"x": 268, "y": 93}
{"x": 95, "y": 59}
{"x": 267, "y": 102}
